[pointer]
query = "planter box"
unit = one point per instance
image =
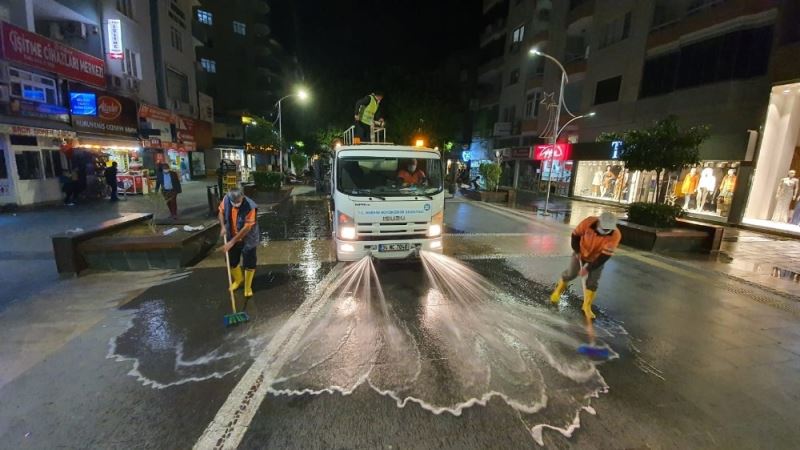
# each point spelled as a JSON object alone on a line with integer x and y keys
{"x": 501, "y": 196}
{"x": 174, "y": 251}
{"x": 686, "y": 237}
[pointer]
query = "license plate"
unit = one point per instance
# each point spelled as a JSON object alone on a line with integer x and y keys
{"x": 393, "y": 248}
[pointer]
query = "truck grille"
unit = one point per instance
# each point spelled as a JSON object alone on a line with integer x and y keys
{"x": 407, "y": 229}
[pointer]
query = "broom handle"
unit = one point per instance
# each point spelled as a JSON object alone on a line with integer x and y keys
{"x": 228, "y": 266}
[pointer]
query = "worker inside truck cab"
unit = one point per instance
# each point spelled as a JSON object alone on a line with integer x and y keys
{"x": 411, "y": 174}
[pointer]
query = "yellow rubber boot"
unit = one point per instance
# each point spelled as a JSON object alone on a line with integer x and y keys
{"x": 588, "y": 299}
{"x": 236, "y": 277}
{"x": 248, "y": 282}
{"x": 560, "y": 288}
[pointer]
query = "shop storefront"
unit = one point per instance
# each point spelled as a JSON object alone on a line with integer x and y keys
{"x": 107, "y": 132}
{"x": 556, "y": 167}
{"x": 245, "y": 162}
{"x": 775, "y": 189}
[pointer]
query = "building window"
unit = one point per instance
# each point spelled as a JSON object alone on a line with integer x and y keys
{"x": 29, "y": 164}
{"x": 532, "y": 104}
{"x": 176, "y": 39}
{"x": 177, "y": 86}
{"x": 615, "y": 31}
{"x": 132, "y": 64}
{"x": 125, "y": 7}
{"x": 510, "y": 114}
{"x": 733, "y": 56}
{"x": 607, "y": 90}
{"x": 518, "y": 35}
{"x": 239, "y": 28}
{"x": 209, "y": 65}
{"x": 514, "y": 77}
{"x": 52, "y": 163}
{"x": 3, "y": 167}
{"x": 205, "y": 17}
{"x": 33, "y": 87}
{"x": 176, "y": 14}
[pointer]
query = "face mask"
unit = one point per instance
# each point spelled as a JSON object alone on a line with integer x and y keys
{"x": 603, "y": 231}
{"x": 412, "y": 168}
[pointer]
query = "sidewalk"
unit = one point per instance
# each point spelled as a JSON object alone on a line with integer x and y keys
{"x": 770, "y": 262}
{"x": 26, "y": 256}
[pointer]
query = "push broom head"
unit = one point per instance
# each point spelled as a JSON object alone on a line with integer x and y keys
{"x": 236, "y": 318}
{"x": 594, "y": 352}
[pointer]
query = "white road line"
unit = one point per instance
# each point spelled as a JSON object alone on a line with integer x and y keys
{"x": 234, "y": 417}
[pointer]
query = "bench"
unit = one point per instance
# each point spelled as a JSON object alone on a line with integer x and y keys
{"x": 688, "y": 236}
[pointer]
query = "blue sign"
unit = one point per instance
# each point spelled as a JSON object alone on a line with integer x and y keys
{"x": 83, "y": 103}
{"x": 466, "y": 155}
{"x": 617, "y": 147}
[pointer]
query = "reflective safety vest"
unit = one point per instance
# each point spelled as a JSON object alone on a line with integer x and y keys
{"x": 368, "y": 112}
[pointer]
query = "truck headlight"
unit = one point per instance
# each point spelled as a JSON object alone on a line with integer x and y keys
{"x": 435, "y": 229}
{"x": 347, "y": 226}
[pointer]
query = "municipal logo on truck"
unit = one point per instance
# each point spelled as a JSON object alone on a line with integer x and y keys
{"x": 427, "y": 206}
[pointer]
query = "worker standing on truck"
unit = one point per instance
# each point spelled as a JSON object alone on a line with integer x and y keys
{"x": 593, "y": 242}
{"x": 367, "y": 109}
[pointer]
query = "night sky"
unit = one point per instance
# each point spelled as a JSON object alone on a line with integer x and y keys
{"x": 345, "y": 47}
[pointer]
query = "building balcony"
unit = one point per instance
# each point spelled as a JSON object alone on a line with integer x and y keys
{"x": 261, "y": 29}
{"x": 576, "y": 66}
{"x": 708, "y": 14}
{"x": 580, "y": 9}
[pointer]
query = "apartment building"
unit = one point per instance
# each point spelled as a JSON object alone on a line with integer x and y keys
{"x": 721, "y": 63}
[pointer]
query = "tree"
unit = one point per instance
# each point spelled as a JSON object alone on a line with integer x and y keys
{"x": 663, "y": 146}
{"x": 299, "y": 161}
{"x": 326, "y": 138}
{"x": 261, "y": 133}
{"x": 491, "y": 175}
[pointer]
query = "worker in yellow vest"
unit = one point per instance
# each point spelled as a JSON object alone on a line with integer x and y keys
{"x": 367, "y": 110}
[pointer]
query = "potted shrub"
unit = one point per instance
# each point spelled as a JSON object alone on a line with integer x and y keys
{"x": 659, "y": 227}
{"x": 490, "y": 174}
{"x": 654, "y": 215}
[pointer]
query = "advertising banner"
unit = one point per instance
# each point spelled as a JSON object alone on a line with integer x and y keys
{"x": 20, "y": 46}
{"x": 545, "y": 152}
{"x": 113, "y": 114}
{"x": 115, "y": 49}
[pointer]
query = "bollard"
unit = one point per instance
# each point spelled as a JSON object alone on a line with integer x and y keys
{"x": 212, "y": 192}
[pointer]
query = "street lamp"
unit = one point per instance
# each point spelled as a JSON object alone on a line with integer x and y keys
{"x": 301, "y": 95}
{"x": 556, "y": 130}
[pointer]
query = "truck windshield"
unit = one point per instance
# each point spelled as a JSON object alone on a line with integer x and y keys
{"x": 380, "y": 176}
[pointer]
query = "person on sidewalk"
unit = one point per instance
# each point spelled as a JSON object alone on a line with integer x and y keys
{"x": 111, "y": 180}
{"x": 171, "y": 187}
{"x": 237, "y": 219}
{"x": 593, "y": 243}
{"x": 366, "y": 110}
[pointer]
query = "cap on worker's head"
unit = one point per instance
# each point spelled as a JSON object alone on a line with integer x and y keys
{"x": 378, "y": 93}
{"x": 607, "y": 221}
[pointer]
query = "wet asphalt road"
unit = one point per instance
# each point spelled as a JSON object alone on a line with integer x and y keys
{"x": 703, "y": 362}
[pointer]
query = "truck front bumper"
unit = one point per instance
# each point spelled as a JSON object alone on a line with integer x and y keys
{"x": 355, "y": 250}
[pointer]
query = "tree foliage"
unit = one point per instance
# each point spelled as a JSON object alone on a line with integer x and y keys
{"x": 299, "y": 161}
{"x": 490, "y": 172}
{"x": 665, "y": 146}
{"x": 261, "y": 133}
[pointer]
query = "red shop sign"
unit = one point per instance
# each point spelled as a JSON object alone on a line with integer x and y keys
{"x": 21, "y": 46}
{"x": 559, "y": 152}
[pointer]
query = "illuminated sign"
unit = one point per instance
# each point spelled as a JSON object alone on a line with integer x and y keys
{"x": 616, "y": 146}
{"x": 559, "y": 152}
{"x": 115, "y": 50}
{"x": 83, "y": 103}
{"x": 466, "y": 155}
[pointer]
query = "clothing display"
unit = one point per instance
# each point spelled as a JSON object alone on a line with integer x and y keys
{"x": 706, "y": 187}
{"x": 784, "y": 194}
{"x": 622, "y": 184}
{"x": 597, "y": 180}
{"x": 689, "y": 187}
{"x": 608, "y": 182}
{"x": 725, "y": 197}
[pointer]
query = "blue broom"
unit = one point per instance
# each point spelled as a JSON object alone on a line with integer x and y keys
{"x": 234, "y": 318}
{"x": 591, "y": 350}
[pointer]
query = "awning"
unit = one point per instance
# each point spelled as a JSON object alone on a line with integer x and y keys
{"x": 95, "y": 142}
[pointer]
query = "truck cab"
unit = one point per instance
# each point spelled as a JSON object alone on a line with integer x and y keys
{"x": 387, "y": 201}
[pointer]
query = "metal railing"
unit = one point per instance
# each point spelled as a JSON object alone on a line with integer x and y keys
{"x": 378, "y": 135}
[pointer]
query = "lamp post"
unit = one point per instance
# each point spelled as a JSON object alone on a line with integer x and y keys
{"x": 556, "y": 130}
{"x": 302, "y": 95}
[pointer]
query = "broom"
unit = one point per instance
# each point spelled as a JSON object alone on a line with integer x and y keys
{"x": 234, "y": 318}
{"x": 591, "y": 349}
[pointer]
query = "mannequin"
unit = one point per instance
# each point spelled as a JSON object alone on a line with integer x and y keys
{"x": 621, "y": 184}
{"x": 706, "y": 187}
{"x": 786, "y": 191}
{"x": 725, "y": 196}
{"x": 689, "y": 186}
{"x": 608, "y": 179}
{"x": 597, "y": 180}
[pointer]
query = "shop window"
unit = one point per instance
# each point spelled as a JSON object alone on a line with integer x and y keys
{"x": 607, "y": 90}
{"x": 205, "y": 17}
{"x": 705, "y": 190}
{"x": 31, "y": 86}
{"x": 177, "y": 86}
{"x": 738, "y": 55}
{"x": 53, "y": 166}
{"x": 29, "y": 165}
{"x": 239, "y": 28}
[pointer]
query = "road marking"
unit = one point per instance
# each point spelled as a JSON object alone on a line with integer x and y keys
{"x": 230, "y": 424}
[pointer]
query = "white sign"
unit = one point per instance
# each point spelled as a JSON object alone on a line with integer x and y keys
{"x": 115, "y": 50}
